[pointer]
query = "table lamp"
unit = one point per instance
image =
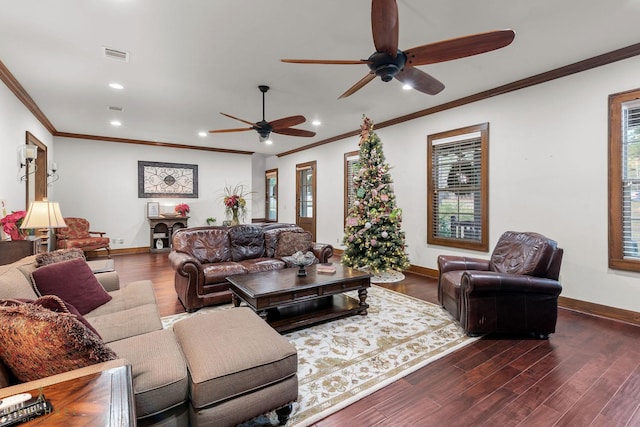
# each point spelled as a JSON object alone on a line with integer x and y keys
{"x": 44, "y": 215}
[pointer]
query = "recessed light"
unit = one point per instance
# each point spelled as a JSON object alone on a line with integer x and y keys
{"x": 268, "y": 141}
{"x": 407, "y": 87}
{"x": 202, "y": 134}
{"x": 116, "y": 86}
{"x": 316, "y": 122}
{"x": 115, "y": 123}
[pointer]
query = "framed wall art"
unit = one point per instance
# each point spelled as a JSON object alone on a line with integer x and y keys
{"x": 153, "y": 209}
{"x": 156, "y": 179}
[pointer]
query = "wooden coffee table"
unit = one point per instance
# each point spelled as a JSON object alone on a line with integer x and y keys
{"x": 287, "y": 301}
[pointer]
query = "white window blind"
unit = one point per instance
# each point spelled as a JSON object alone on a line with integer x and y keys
{"x": 456, "y": 195}
{"x": 631, "y": 179}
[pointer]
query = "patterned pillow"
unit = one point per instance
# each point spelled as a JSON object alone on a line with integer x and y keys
{"x": 291, "y": 242}
{"x": 74, "y": 282}
{"x": 37, "y": 342}
{"x": 53, "y": 303}
{"x": 59, "y": 255}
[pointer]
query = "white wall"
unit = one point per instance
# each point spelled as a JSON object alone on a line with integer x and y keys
{"x": 548, "y": 173}
{"x": 15, "y": 120}
{"x": 99, "y": 181}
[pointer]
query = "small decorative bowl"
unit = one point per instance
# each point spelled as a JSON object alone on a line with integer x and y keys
{"x": 301, "y": 260}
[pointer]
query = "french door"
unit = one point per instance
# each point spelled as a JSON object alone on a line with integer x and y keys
{"x": 306, "y": 197}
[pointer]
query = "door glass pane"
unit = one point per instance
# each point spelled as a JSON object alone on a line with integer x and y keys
{"x": 306, "y": 193}
{"x": 272, "y": 201}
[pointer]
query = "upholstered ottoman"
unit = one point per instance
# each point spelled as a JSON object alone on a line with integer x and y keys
{"x": 239, "y": 367}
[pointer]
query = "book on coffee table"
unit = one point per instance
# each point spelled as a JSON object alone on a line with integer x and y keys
{"x": 326, "y": 268}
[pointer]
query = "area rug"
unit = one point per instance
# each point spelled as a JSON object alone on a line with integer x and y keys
{"x": 342, "y": 361}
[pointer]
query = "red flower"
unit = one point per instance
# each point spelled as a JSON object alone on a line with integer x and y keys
{"x": 13, "y": 220}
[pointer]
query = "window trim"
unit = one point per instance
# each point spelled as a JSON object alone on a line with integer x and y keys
{"x": 432, "y": 238}
{"x": 616, "y": 192}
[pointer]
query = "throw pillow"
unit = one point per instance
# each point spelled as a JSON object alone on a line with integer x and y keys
{"x": 53, "y": 303}
{"x": 74, "y": 282}
{"x": 291, "y": 242}
{"x": 37, "y": 342}
{"x": 57, "y": 256}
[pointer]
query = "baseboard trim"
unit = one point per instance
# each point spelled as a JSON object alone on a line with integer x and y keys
{"x": 589, "y": 308}
{"x": 423, "y": 271}
{"x": 598, "y": 310}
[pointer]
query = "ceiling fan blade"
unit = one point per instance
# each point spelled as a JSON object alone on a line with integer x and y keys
{"x": 356, "y": 87}
{"x": 384, "y": 25}
{"x": 230, "y": 130}
{"x": 419, "y": 80}
{"x": 459, "y": 47}
{"x": 287, "y": 122}
{"x": 294, "y": 132}
{"x": 327, "y": 61}
{"x": 240, "y": 120}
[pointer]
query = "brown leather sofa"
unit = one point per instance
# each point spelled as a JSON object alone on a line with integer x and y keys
{"x": 516, "y": 291}
{"x": 203, "y": 257}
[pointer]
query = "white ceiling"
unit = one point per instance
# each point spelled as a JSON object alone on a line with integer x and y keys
{"x": 191, "y": 59}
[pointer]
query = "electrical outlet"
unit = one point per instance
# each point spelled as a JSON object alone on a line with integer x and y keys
{"x": 114, "y": 241}
{"x": 121, "y": 241}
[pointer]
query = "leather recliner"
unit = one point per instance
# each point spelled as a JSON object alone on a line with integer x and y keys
{"x": 515, "y": 291}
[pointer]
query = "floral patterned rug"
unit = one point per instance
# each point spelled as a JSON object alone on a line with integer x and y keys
{"x": 342, "y": 361}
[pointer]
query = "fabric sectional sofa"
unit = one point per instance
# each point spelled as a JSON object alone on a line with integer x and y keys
{"x": 203, "y": 257}
{"x": 169, "y": 366}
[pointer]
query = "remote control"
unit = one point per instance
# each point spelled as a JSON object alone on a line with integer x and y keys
{"x": 25, "y": 411}
{"x": 14, "y": 400}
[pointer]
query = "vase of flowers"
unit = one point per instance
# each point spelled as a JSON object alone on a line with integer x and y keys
{"x": 182, "y": 209}
{"x": 11, "y": 225}
{"x": 235, "y": 203}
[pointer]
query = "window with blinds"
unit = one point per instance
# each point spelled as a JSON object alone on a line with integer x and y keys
{"x": 351, "y": 165}
{"x": 457, "y": 201}
{"x": 624, "y": 180}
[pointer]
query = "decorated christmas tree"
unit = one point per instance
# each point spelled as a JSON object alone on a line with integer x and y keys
{"x": 373, "y": 237}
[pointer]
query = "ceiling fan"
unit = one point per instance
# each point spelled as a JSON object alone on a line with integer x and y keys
{"x": 264, "y": 128}
{"x": 388, "y": 61}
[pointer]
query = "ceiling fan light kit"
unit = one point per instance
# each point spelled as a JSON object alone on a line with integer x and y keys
{"x": 389, "y": 62}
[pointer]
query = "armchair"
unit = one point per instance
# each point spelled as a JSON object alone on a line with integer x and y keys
{"x": 515, "y": 291}
{"x": 77, "y": 235}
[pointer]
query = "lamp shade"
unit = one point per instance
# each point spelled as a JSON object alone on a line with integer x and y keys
{"x": 43, "y": 214}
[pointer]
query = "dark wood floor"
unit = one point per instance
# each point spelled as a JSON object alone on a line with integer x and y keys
{"x": 586, "y": 374}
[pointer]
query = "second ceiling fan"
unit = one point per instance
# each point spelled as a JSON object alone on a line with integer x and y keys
{"x": 264, "y": 128}
{"x": 389, "y": 62}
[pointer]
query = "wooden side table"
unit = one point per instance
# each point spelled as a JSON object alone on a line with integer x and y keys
{"x": 13, "y": 250}
{"x": 103, "y": 398}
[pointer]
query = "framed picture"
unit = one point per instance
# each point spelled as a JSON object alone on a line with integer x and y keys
{"x": 156, "y": 179}
{"x": 153, "y": 209}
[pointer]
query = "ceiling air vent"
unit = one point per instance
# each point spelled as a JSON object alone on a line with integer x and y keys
{"x": 118, "y": 55}
{"x": 112, "y": 108}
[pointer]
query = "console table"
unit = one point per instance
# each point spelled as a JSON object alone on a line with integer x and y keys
{"x": 162, "y": 229}
{"x": 13, "y": 250}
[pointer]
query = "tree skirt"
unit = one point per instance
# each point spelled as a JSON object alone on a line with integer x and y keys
{"x": 390, "y": 276}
